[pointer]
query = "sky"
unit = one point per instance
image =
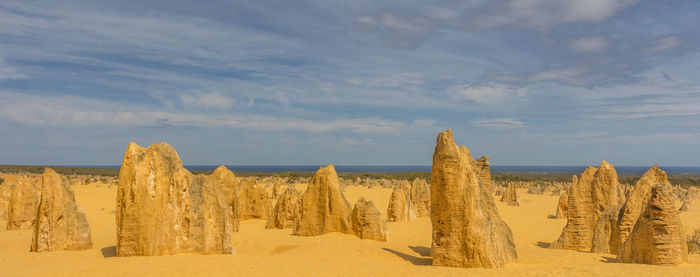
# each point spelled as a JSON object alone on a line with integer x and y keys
{"x": 526, "y": 82}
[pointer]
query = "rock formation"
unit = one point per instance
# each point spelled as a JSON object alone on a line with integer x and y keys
{"x": 23, "y": 204}
{"x": 367, "y": 222}
{"x": 163, "y": 209}
{"x": 535, "y": 189}
{"x": 467, "y": 230}
{"x": 5, "y": 195}
{"x": 693, "y": 241}
{"x": 606, "y": 234}
{"x": 510, "y": 196}
{"x": 229, "y": 185}
{"x": 60, "y": 223}
{"x": 323, "y": 206}
{"x": 617, "y": 225}
{"x": 420, "y": 196}
{"x": 286, "y": 210}
{"x": 632, "y": 208}
{"x": 400, "y": 206}
{"x": 254, "y": 200}
{"x": 482, "y": 167}
{"x": 657, "y": 237}
{"x": 276, "y": 190}
{"x": 563, "y": 204}
{"x": 595, "y": 192}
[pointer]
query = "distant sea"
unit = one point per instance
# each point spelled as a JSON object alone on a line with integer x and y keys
{"x": 427, "y": 168}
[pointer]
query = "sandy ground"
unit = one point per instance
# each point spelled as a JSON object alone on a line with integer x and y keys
{"x": 261, "y": 252}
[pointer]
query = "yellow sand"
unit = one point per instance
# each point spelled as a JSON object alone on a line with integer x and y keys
{"x": 262, "y": 252}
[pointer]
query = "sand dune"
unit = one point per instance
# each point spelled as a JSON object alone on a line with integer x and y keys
{"x": 274, "y": 252}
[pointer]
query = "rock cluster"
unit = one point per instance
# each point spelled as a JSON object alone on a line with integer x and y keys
{"x": 367, "y": 222}
{"x": 595, "y": 192}
{"x": 255, "y": 203}
{"x": 60, "y": 223}
{"x": 467, "y": 230}
{"x": 324, "y": 208}
{"x": 286, "y": 210}
{"x": 657, "y": 237}
{"x": 615, "y": 228}
{"x": 22, "y": 207}
{"x": 164, "y": 209}
{"x": 400, "y": 206}
{"x": 510, "y": 196}
{"x": 420, "y": 196}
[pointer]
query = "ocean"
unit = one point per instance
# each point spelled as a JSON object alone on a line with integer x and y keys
{"x": 426, "y": 168}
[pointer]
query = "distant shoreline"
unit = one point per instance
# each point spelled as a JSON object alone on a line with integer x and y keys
{"x": 500, "y": 174}
{"x": 505, "y": 169}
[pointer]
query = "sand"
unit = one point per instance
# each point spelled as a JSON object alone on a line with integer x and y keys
{"x": 262, "y": 252}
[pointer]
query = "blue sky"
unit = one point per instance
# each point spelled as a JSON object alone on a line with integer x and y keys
{"x": 527, "y": 82}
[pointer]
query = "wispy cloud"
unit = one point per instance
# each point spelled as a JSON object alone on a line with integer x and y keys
{"x": 499, "y": 123}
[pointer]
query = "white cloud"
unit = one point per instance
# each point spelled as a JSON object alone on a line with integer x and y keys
{"x": 589, "y": 44}
{"x": 545, "y": 14}
{"x": 499, "y": 123}
{"x": 207, "y": 100}
{"x": 483, "y": 94}
{"x": 665, "y": 44}
{"x": 72, "y": 111}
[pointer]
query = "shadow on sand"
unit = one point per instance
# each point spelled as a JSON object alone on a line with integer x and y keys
{"x": 412, "y": 259}
{"x": 609, "y": 260}
{"x": 109, "y": 251}
{"x": 543, "y": 244}
{"x": 421, "y": 250}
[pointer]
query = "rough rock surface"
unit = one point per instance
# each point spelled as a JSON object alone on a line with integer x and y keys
{"x": 482, "y": 167}
{"x": 255, "y": 202}
{"x": 367, "y": 222}
{"x": 229, "y": 185}
{"x": 595, "y": 192}
{"x": 324, "y": 208}
{"x": 467, "y": 230}
{"x": 285, "y": 211}
{"x": 606, "y": 235}
{"x": 657, "y": 237}
{"x": 563, "y": 205}
{"x": 637, "y": 199}
{"x": 693, "y": 241}
{"x": 23, "y": 204}
{"x": 400, "y": 206}
{"x": 60, "y": 223}
{"x": 5, "y": 195}
{"x": 420, "y": 196}
{"x": 164, "y": 209}
{"x": 510, "y": 196}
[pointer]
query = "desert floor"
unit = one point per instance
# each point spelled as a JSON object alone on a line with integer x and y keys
{"x": 261, "y": 252}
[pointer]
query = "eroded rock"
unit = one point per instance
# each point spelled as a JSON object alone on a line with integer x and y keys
{"x": 163, "y": 209}
{"x": 420, "y": 196}
{"x": 60, "y": 223}
{"x": 23, "y": 204}
{"x": 657, "y": 237}
{"x": 367, "y": 222}
{"x": 467, "y": 230}
{"x": 595, "y": 192}
{"x": 510, "y": 196}
{"x": 400, "y": 206}
{"x": 285, "y": 211}
{"x": 324, "y": 208}
{"x": 255, "y": 203}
